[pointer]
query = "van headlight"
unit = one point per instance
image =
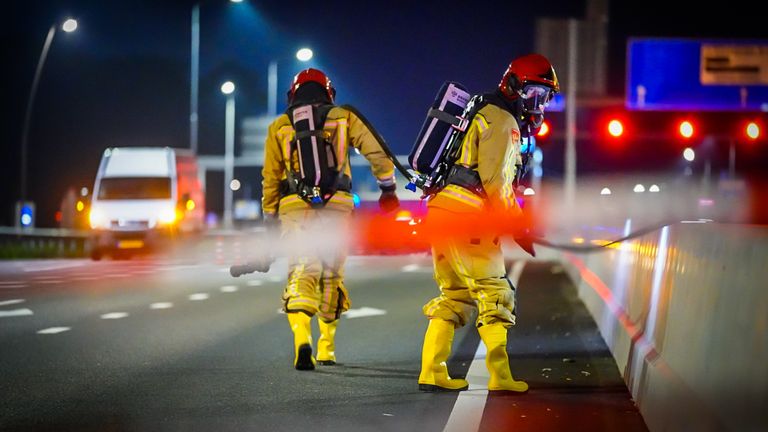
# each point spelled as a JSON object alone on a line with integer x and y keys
{"x": 167, "y": 216}
{"x": 98, "y": 219}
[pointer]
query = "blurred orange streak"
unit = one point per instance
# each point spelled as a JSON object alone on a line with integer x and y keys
{"x": 386, "y": 232}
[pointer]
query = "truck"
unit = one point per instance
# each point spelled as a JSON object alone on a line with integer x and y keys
{"x": 144, "y": 197}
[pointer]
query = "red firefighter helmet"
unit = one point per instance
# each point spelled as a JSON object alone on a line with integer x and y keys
{"x": 531, "y": 83}
{"x": 531, "y": 69}
{"x": 312, "y": 75}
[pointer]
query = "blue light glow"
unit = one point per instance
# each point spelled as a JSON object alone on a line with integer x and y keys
{"x": 26, "y": 216}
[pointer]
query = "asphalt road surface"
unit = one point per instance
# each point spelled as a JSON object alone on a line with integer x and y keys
{"x": 174, "y": 343}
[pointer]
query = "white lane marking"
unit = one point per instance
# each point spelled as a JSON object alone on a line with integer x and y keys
{"x": 275, "y": 279}
{"x": 161, "y": 305}
{"x": 46, "y": 266}
{"x": 11, "y": 282}
{"x": 364, "y": 312}
{"x": 11, "y": 302}
{"x": 51, "y": 281}
{"x": 254, "y": 282}
{"x": 15, "y": 313}
{"x": 411, "y": 268}
{"x": 228, "y": 289}
{"x": 54, "y": 330}
{"x": 468, "y": 409}
{"x": 13, "y": 286}
{"x": 198, "y": 296}
{"x": 114, "y": 315}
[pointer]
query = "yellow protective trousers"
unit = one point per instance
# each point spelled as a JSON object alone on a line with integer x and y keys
{"x": 469, "y": 270}
{"x": 315, "y": 242}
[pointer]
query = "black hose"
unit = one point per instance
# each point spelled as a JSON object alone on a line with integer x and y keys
{"x": 593, "y": 248}
{"x": 404, "y": 171}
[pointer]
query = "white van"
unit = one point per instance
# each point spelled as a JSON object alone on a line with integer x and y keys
{"x": 142, "y": 196}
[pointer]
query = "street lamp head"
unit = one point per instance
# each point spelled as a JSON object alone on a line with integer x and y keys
{"x": 304, "y": 54}
{"x": 689, "y": 154}
{"x": 69, "y": 25}
{"x": 228, "y": 87}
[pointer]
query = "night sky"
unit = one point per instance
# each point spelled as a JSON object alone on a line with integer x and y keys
{"x": 123, "y": 77}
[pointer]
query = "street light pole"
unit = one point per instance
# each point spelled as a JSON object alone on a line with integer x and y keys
{"x": 570, "y": 116}
{"x": 228, "y": 88}
{"x": 30, "y": 103}
{"x": 272, "y": 89}
{"x": 194, "y": 77}
{"x": 303, "y": 55}
{"x": 69, "y": 26}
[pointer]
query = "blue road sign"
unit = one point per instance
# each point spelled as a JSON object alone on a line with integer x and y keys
{"x": 697, "y": 75}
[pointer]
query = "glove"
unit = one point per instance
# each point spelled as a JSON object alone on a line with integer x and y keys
{"x": 388, "y": 200}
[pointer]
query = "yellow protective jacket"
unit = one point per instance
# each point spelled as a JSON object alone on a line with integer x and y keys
{"x": 344, "y": 129}
{"x": 491, "y": 147}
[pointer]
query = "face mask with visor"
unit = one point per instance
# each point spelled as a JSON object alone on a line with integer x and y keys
{"x": 535, "y": 98}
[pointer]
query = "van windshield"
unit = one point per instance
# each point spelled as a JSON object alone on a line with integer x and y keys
{"x": 120, "y": 188}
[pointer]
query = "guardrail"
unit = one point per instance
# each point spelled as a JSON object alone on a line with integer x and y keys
{"x": 683, "y": 310}
{"x": 42, "y": 243}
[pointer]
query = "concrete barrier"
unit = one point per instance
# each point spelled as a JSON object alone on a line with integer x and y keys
{"x": 684, "y": 311}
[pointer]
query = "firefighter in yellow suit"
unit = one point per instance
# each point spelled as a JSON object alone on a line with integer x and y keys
{"x": 313, "y": 237}
{"x": 469, "y": 267}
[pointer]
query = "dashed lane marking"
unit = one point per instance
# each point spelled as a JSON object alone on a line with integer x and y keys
{"x": 411, "y": 268}
{"x": 16, "y": 313}
{"x": 254, "y": 282}
{"x": 11, "y": 302}
{"x": 54, "y": 330}
{"x": 114, "y": 315}
{"x": 198, "y": 296}
{"x": 364, "y": 312}
{"x": 13, "y": 286}
{"x": 161, "y": 305}
{"x": 229, "y": 289}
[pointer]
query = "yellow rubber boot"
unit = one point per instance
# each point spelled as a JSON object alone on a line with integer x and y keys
{"x": 325, "y": 344}
{"x": 437, "y": 347}
{"x": 495, "y": 338}
{"x": 302, "y": 340}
